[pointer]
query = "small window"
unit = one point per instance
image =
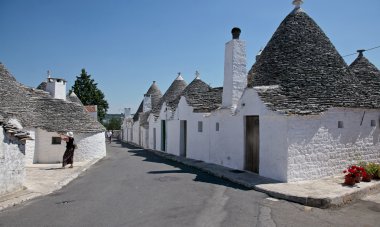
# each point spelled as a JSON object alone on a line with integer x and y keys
{"x": 56, "y": 140}
{"x": 373, "y": 123}
{"x": 200, "y": 126}
{"x": 340, "y": 124}
{"x": 217, "y": 126}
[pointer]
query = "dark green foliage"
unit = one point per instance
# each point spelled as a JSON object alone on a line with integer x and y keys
{"x": 89, "y": 94}
{"x": 113, "y": 124}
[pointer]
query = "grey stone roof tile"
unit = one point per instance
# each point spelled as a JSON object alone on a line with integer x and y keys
{"x": 36, "y": 108}
{"x": 304, "y": 72}
{"x": 155, "y": 94}
{"x": 171, "y": 94}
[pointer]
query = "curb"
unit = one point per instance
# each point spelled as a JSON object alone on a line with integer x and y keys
{"x": 256, "y": 180}
{"x": 15, "y": 198}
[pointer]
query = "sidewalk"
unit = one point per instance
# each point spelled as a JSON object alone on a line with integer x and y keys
{"x": 43, "y": 179}
{"x": 322, "y": 193}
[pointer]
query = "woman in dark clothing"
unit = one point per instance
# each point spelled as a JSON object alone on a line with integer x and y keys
{"x": 68, "y": 156}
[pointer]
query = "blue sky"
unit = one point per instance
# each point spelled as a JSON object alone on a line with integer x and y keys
{"x": 127, "y": 44}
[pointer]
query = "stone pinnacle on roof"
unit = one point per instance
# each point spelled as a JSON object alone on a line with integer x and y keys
{"x": 179, "y": 77}
{"x": 297, "y": 3}
{"x": 197, "y": 75}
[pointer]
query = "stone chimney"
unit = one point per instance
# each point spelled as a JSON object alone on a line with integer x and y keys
{"x": 127, "y": 112}
{"x": 56, "y": 87}
{"x": 235, "y": 72}
{"x": 147, "y": 105}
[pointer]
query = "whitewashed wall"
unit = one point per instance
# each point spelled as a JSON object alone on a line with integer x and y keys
{"x": 173, "y": 136}
{"x": 30, "y": 156}
{"x": 12, "y": 164}
{"x": 154, "y": 124}
{"x": 90, "y": 145}
{"x": 227, "y": 147}
{"x": 46, "y": 152}
{"x": 198, "y": 143}
{"x": 136, "y": 133}
{"x": 318, "y": 148}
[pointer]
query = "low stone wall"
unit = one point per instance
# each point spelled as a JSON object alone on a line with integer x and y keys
{"x": 12, "y": 164}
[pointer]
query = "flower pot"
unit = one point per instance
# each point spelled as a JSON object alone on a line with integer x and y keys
{"x": 358, "y": 179}
{"x": 349, "y": 181}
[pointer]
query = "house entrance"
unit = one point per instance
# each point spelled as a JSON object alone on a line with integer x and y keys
{"x": 252, "y": 143}
{"x": 154, "y": 139}
{"x": 163, "y": 135}
{"x": 183, "y": 138}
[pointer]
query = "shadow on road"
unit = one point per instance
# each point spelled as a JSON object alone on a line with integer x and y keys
{"x": 200, "y": 175}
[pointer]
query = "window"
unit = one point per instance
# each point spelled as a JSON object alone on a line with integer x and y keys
{"x": 373, "y": 123}
{"x": 200, "y": 126}
{"x": 217, "y": 126}
{"x": 56, "y": 140}
{"x": 340, "y": 124}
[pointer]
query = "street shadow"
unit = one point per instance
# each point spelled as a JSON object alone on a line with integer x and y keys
{"x": 200, "y": 176}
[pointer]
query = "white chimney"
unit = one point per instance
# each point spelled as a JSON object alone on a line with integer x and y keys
{"x": 56, "y": 87}
{"x": 127, "y": 112}
{"x": 147, "y": 105}
{"x": 235, "y": 72}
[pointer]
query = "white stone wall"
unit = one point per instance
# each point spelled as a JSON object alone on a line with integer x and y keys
{"x": 136, "y": 133}
{"x": 318, "y": 148}
{"x": 235, "y": 72}
{"x": 45, "y": 151}
{"x": 30, "y": 157}
{"x": 90, "y": 145}
{"x": 12, "y": 164}
{"x": 198, "y": 143}
{"x": 173, "y": 136}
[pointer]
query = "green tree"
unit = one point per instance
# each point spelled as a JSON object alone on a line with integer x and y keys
{"x": 114, "y": 124}
{"x": 89, "y": 94}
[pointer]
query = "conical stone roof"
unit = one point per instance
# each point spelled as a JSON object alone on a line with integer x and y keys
{"x": 155, "y": 94}
{"x": 369, "y": 76}
{"x": 72, "y": 97}
{"x": 301, "y": 72}
{"x": 36, "y": 108}
{"x": 175, "y": 89}
{"x": 200, "y": 96}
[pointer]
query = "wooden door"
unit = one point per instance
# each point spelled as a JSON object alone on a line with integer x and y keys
{"x": 252, "y": 143}
{"x": 183, "y": 138}
{"x": 154, "y": 139}
{"x": 163, "y": 135}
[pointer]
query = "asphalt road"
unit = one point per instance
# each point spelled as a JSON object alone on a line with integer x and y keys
{"x": 132, "y": 187}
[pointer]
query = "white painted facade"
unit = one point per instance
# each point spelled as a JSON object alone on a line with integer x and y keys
{"x": 12, "y": 164}
{"x": 291, "y": 147}
{"x": 90, "y": 146}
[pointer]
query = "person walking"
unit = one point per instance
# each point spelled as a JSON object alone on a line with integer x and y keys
{"x": 68, "y": 156}
{"x": 109, "y": 136}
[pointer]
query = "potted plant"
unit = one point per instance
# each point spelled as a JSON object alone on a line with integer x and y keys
{"x": 353, "y": 174}
{"x": 370, "y": 169}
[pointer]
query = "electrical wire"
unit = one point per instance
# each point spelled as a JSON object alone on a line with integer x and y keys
{"x": 363, "y": 51}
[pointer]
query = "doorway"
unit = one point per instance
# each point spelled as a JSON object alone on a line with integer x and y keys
{"x": 154, "y": 139}
{"x": 252, "y": 143}
{"x": 183, "y": 138}
{"x": 163, "y": 135}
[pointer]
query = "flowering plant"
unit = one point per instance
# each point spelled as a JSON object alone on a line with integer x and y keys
{"x": 354, "y": 171}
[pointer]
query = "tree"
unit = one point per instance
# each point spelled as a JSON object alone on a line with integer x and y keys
{"x": 89, "y": 94}
{"x": 114, "y": 124}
